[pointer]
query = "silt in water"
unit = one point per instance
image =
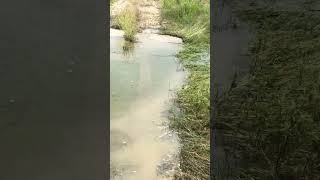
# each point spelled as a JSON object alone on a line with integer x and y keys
{"x": 144, "y": 76}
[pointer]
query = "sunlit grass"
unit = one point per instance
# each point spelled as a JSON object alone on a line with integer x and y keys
{"x": 127, "y": 20}
{"x": 189, "y": 19}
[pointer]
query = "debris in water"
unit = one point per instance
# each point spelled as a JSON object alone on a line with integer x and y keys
{"x": 168, "y": 166}
{"x": 69, "y": 71}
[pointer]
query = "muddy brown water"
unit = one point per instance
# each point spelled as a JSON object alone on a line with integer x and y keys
{"x": 143, "y": 81}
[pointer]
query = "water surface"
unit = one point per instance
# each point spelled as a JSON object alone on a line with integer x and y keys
{"x": 143, "y": 79}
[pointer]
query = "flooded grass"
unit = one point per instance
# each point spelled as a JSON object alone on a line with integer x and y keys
{"x": 128, "y": 48}
{"x": 190, "y": 21}
{"x": 127, "y": 20}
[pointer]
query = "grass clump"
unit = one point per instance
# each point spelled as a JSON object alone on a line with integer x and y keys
{"x": 189, "y": 19}
{"x": 193, "y": 125}
{"x": 127, "y": 20}
{"x": 271, "y": 119}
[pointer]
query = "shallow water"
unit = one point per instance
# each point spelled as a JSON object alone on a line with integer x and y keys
{"x": 143, "y": 79}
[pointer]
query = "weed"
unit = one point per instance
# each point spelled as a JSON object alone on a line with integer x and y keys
{"x": 127, "y": 20}
{"x": 271, "y": 119}
{"x": 189, "y": 19}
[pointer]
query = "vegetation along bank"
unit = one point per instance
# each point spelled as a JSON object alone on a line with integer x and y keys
{"x": 190, "y": 20}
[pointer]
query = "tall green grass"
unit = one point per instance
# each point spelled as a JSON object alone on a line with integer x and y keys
{"x": 182, "y": 11}
{"x": 127, "y": 20}
{"x": 189, "y": 19}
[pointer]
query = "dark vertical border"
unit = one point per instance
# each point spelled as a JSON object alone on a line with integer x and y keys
{"x": 212, "y": 119}
{"x": 58, "y": 123}
{"x": 107, "y": 54}
{"x": 229, "y": 39}
{"x": 103, "y": 10}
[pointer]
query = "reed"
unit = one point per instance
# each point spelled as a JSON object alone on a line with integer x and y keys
{"x": 127, "y": 20}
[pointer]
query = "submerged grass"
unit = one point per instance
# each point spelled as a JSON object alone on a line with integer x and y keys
{"x": 189, "y": 19}
{"x": 127, "y": 20}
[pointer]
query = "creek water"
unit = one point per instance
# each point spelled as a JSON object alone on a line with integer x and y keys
{"x": 144, "y": 76}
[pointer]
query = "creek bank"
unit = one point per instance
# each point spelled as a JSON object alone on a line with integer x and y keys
{"x": 189, "y": 19}
{"x": 148, "y": 12}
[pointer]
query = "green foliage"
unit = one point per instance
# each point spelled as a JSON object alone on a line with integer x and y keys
{"x": 271, "y": 119}
{"x": 189, "y": 19}
{"x": 193, "y": 124}
{"x": 183, "y": 11}
{"x": 127, "y": 21}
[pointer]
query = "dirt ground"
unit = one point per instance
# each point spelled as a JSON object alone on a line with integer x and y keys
{"x": 149, "y": 12}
